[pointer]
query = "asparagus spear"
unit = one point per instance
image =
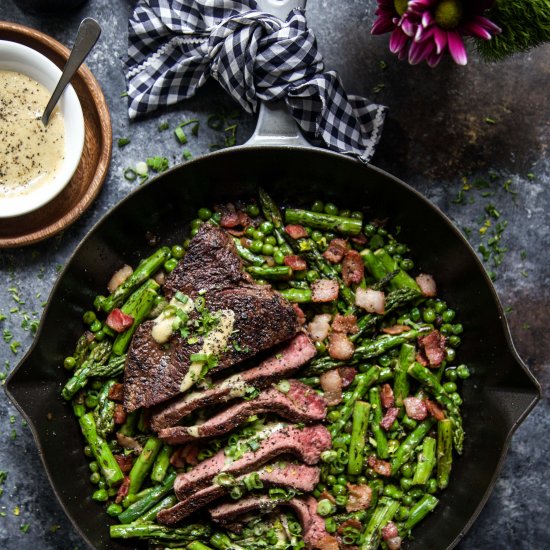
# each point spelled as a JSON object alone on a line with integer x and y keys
{"x": 159, "y": 532}
{"x": 162, "y": 462}
{"x": 401, "y": 377}
{"x": 444, "y": 452}
{"x": 401, "y": 279}
{"x": 151, "y": 514}
{"x": 377, "y": 415}
{"x": 382, "y": 515}
{"x": 273, "y": 214}
{"x": 373, "y": 264}
{"x": 359, "y": 427}
{"x": 78, "y": 405}
{"x": 143, "y": 464}
{"x": 197, "y": 545}
{"x": 405, "y": 450}
{"x": 426, "y": 462}
{"x": 104, "y": 411}
{"x": 108, "y": 465}
{"x": 137, "y": 306}
{"x": 430, "y": 382}
{"x": 129, "y": 427}
{"x": 278, "y": 272}
{"x": 297, "y": 295}
{"x": 246, "y": 254}
{"x": 145, "y": 269}
{"x": 82, "y": 348}
{"x": 326, "y": 222}
{"x": 419, "y": 511}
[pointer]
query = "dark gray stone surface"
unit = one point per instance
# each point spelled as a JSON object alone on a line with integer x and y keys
{"x": 436, "y": 135}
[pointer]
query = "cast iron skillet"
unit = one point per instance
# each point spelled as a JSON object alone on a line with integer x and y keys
{"x": 497, "y": 397}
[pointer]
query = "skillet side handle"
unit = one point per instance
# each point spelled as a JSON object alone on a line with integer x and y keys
{"x": 275, "y": 126}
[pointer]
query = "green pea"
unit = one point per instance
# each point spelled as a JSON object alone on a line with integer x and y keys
{"x": 320, "y": 347}
{"x": 406, "y": 483}
{"x": 429, "y": 315}
{"x": 300, "y": 275}
{"x": 102, "y": 484}
{"x": 446, "y": 328}
{"x": 100, "y": 335}
{"x": 261, "y": 282}
{"x": 266, "y": 227}
{"x": 448, "y": 315}
{"x": 317, "y": 206}
{"x": 449, "y": 387}
{"x": 455, "y": 341}
{"x": 170, "y": 265}
{"x": 267, "y": 250}
{"x": 312, "y": 276}
{"x": 393, "y": 492}
{"x": 338, "y": 489}
{"x": 321, "y": 486}
{"x": 316, "y": 493}
{"x": 397, "y": 258}
{"x": 416, "y": 493}
{"x": 407, "y": 500}
{"x": 407, "y": 264}
{"x": 401, "y": 248}
{"x": 330, "y": 479}
{"x": 256, "y": 246}
{"x": 216, "y": 217}
{"x": 451, "y": 374}
{"x": 458, "y": 329}
{"x": 252, "y": 210}
{"x": 402, "y": 513}
{"x": 69, "y": 363}
{"x": 407, "y": 470}
{"x": 382, "y": 232}
{"x": 177, "y": 251}
{"x": 431, "y": 486}
{"x": 363, "y": 367}
{"x": 440, "y": 307}
{"x": 331, "y": 209}
{"x": 415, "y": 314}
{"x": 194, "y": 231}
{"x": 249, "y": 231}
{"x": 258, "y": 235}
{"x": 114, "y": 509}
{"x": 361, "y": 480}
{"x": 186, "y": 243}
{"x": 204, "y": 214}
{"x": 96, "y": 385}
{"x": 345, "y": 213}
{"x": 96, "y": 325}
{"x": 286, "y": 250}
{"x": 341, "y": 500}
{"x": 390, "y": 249}
{"x": 384, "y": 361}
{"x": 356, "y": 215}
{"x": 279, "y": 257}
{"x": 457, "y": 400}
{"x": 95, "y": 478}
{"x": 93, "y": 466}
{"x": 100, "y": 495}
{"x": 88, "y": 451}
{"x": 342, "y": 480}
{"x": 91, "y": 401}
{"x": 450, "y": 354}
{"x": 333, "y": 416}
{"x": 463, "y": 372}
{"x": 376, "y": 242}
{"x": 89, "y": 317}
{"x": 316, "y": 236}
{"x": 195, "y": 224}
{"x": 271, "y": 240}
{"x": 329, "y": 236}
{"x": 369, "y": 230}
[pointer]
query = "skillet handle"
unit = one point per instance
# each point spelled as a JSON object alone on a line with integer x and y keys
{"x": 275, "y": 126}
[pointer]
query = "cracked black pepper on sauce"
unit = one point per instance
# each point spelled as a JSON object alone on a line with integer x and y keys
{"x": 30, "y": 153}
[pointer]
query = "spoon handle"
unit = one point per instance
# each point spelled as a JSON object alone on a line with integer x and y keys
{"x": 87, "y": 36}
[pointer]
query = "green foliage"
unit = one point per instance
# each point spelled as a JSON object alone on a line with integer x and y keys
{"x": 525, "y": 24}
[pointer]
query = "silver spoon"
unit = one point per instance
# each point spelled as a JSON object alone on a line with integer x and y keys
{"x": 86, "y": 37}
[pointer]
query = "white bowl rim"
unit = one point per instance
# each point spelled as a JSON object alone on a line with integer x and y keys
{"x": 21, "y": 58}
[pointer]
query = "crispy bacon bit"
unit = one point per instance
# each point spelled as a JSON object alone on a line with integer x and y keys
{"x": 119, "y": 321}
{"x": 359, "y": 239}
{"x": 433, "y": 345}
{"x": 354, "y": 523}
{"x": 296, "y": 263}
{"x": 231, "y": 217}
{"x": 123, "y": 490}
{"x": 119, "y": 277}
{"x": 347, "y": 324}
{"x": 434, "y": 409}
{"x": 353, "y": 269}
{"x": 396, "y": 329}
{"x": 340, "y": 347}
{"x": 347, "y": 374}
{"x": 328, "y": 496}
{"x": 427, "y": 285}
{"x": 386, "y": 396}
{"x": 389, "y": 531}
{"x": 300, "y": 314}
{"x": 116, "y": 392}
{"x": 124, "y": 462}
{"x": 319, "y": 327}
{"x": 359, "y": 497}
{"x": 185, "y": 455}
{"x": 327, "y": 542}
{"x": 379, "y": 466}
{"x": 389, "y": 418}
{"x": 236, "y": 232}
{"x": 331, "y": 383}
{"x": 394, "y": 543}
{"x": 335, "y": 251}
{"x": 370, "y": 300}
{"x": 127, "y": 442}
{"x": 415, "y": 408}
{"x": 296, "y": 231}
{"x": 421, "y": 358}
{"x": 119, "y": 415}
{"x": 324, "y": 290}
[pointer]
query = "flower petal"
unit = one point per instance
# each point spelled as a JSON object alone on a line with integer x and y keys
{"x": 397, "y": 40}
{"x": 487, "y": 24}
{"x": 457, "y": 48}
{"x": 440, "y": 39}
{"x": 408, "y": 27}
{"x": 382, "y": 25}
{"x": 474, "y": 29}
{"x": 433, "y": 59}
{"x": 420, "y": 51}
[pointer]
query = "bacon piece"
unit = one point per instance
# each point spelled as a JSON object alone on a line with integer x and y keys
{"x": 327, "y": 542}
{"x": 319, "y": 327}
{"x": 353, "y": 269}
{"x": 185, "y": 455}
{"x": 359, "y": 239}
{"x": 421, "y": 358}
{"x": 379, "y": 466}
{"x": 324, "y": 290}
{"x": 370, "y": 300}
{"x": 340, "y": 347}
{"x": 389, "y": 418}
{"x": 119, "y": 321}
{"x": 296, "y": 263}
{"x": 116, "y": 392}
{"x": 354, "y": 523}
{"x": 331, "y": 383}
{"x": 124, "y": 462}
{"x": 386, "y": 396}
{"x": 396, "y": 329}
{"x": 433, "y": 345}
{"x": 296, "y": 231}
{"x": 299, "y": 314}
{"x": 394, "y": 543}
{"x": 123, "y": 490}
{"x": 389, "y": 531}
{"x": 415, "y": 408}
{"x": 427, "y": 285}
{"x": 335, "y": 251}
{"x": 359, "y": 497}
{"x": 236, "y": 232}
{"x": 346, "y": 324}
{"x": 434, "y": 409}
{"x": 231, "y": 217}
{"x": 119, "y": 415}
{"x": 347, "y": 374}
{"x": 326, "y": 495}
{"x": 119, "y": 277}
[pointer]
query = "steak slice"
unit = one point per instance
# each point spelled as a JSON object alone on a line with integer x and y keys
{"x": 211, "y": 269}
{"x": 313, "y": 525}
{"x": 297, "y": 476}
{"x": 307, "y": 444}
{"x": 299, "y": 404}
{"x": 287, "y": 360}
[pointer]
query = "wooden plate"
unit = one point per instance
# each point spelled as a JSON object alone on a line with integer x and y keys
{"x": 77, "y": 196}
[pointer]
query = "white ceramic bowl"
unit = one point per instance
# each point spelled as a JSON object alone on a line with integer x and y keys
{"x": 19, "y": 58}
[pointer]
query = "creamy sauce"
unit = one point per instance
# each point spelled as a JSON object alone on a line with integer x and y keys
{"x": 162, "y": 325}
{"x": 30, "y": 153}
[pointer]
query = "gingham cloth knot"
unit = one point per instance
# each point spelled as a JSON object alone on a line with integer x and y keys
{"x": 175, "y": 45}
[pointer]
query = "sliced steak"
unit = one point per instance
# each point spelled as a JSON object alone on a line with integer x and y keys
{"x": 280, "y": 365}
{"x": 307, "y": 444}
{"x": 297, "y": 476}
{"x": 262, "y": 318}
{"x": 299, "y": 404}
{"x": 313, "y": 525}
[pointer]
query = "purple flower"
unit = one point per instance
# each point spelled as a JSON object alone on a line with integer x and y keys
{"x": 425, "y": 30}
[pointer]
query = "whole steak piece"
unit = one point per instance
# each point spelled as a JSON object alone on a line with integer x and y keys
{"x": 213, "y": 270}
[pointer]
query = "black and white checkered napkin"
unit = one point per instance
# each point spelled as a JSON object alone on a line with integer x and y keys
{"x": 175, "y": 45}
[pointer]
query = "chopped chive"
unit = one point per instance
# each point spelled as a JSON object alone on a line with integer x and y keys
{"x": 122, "y": 142}
{"x": 130, "y": 174}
